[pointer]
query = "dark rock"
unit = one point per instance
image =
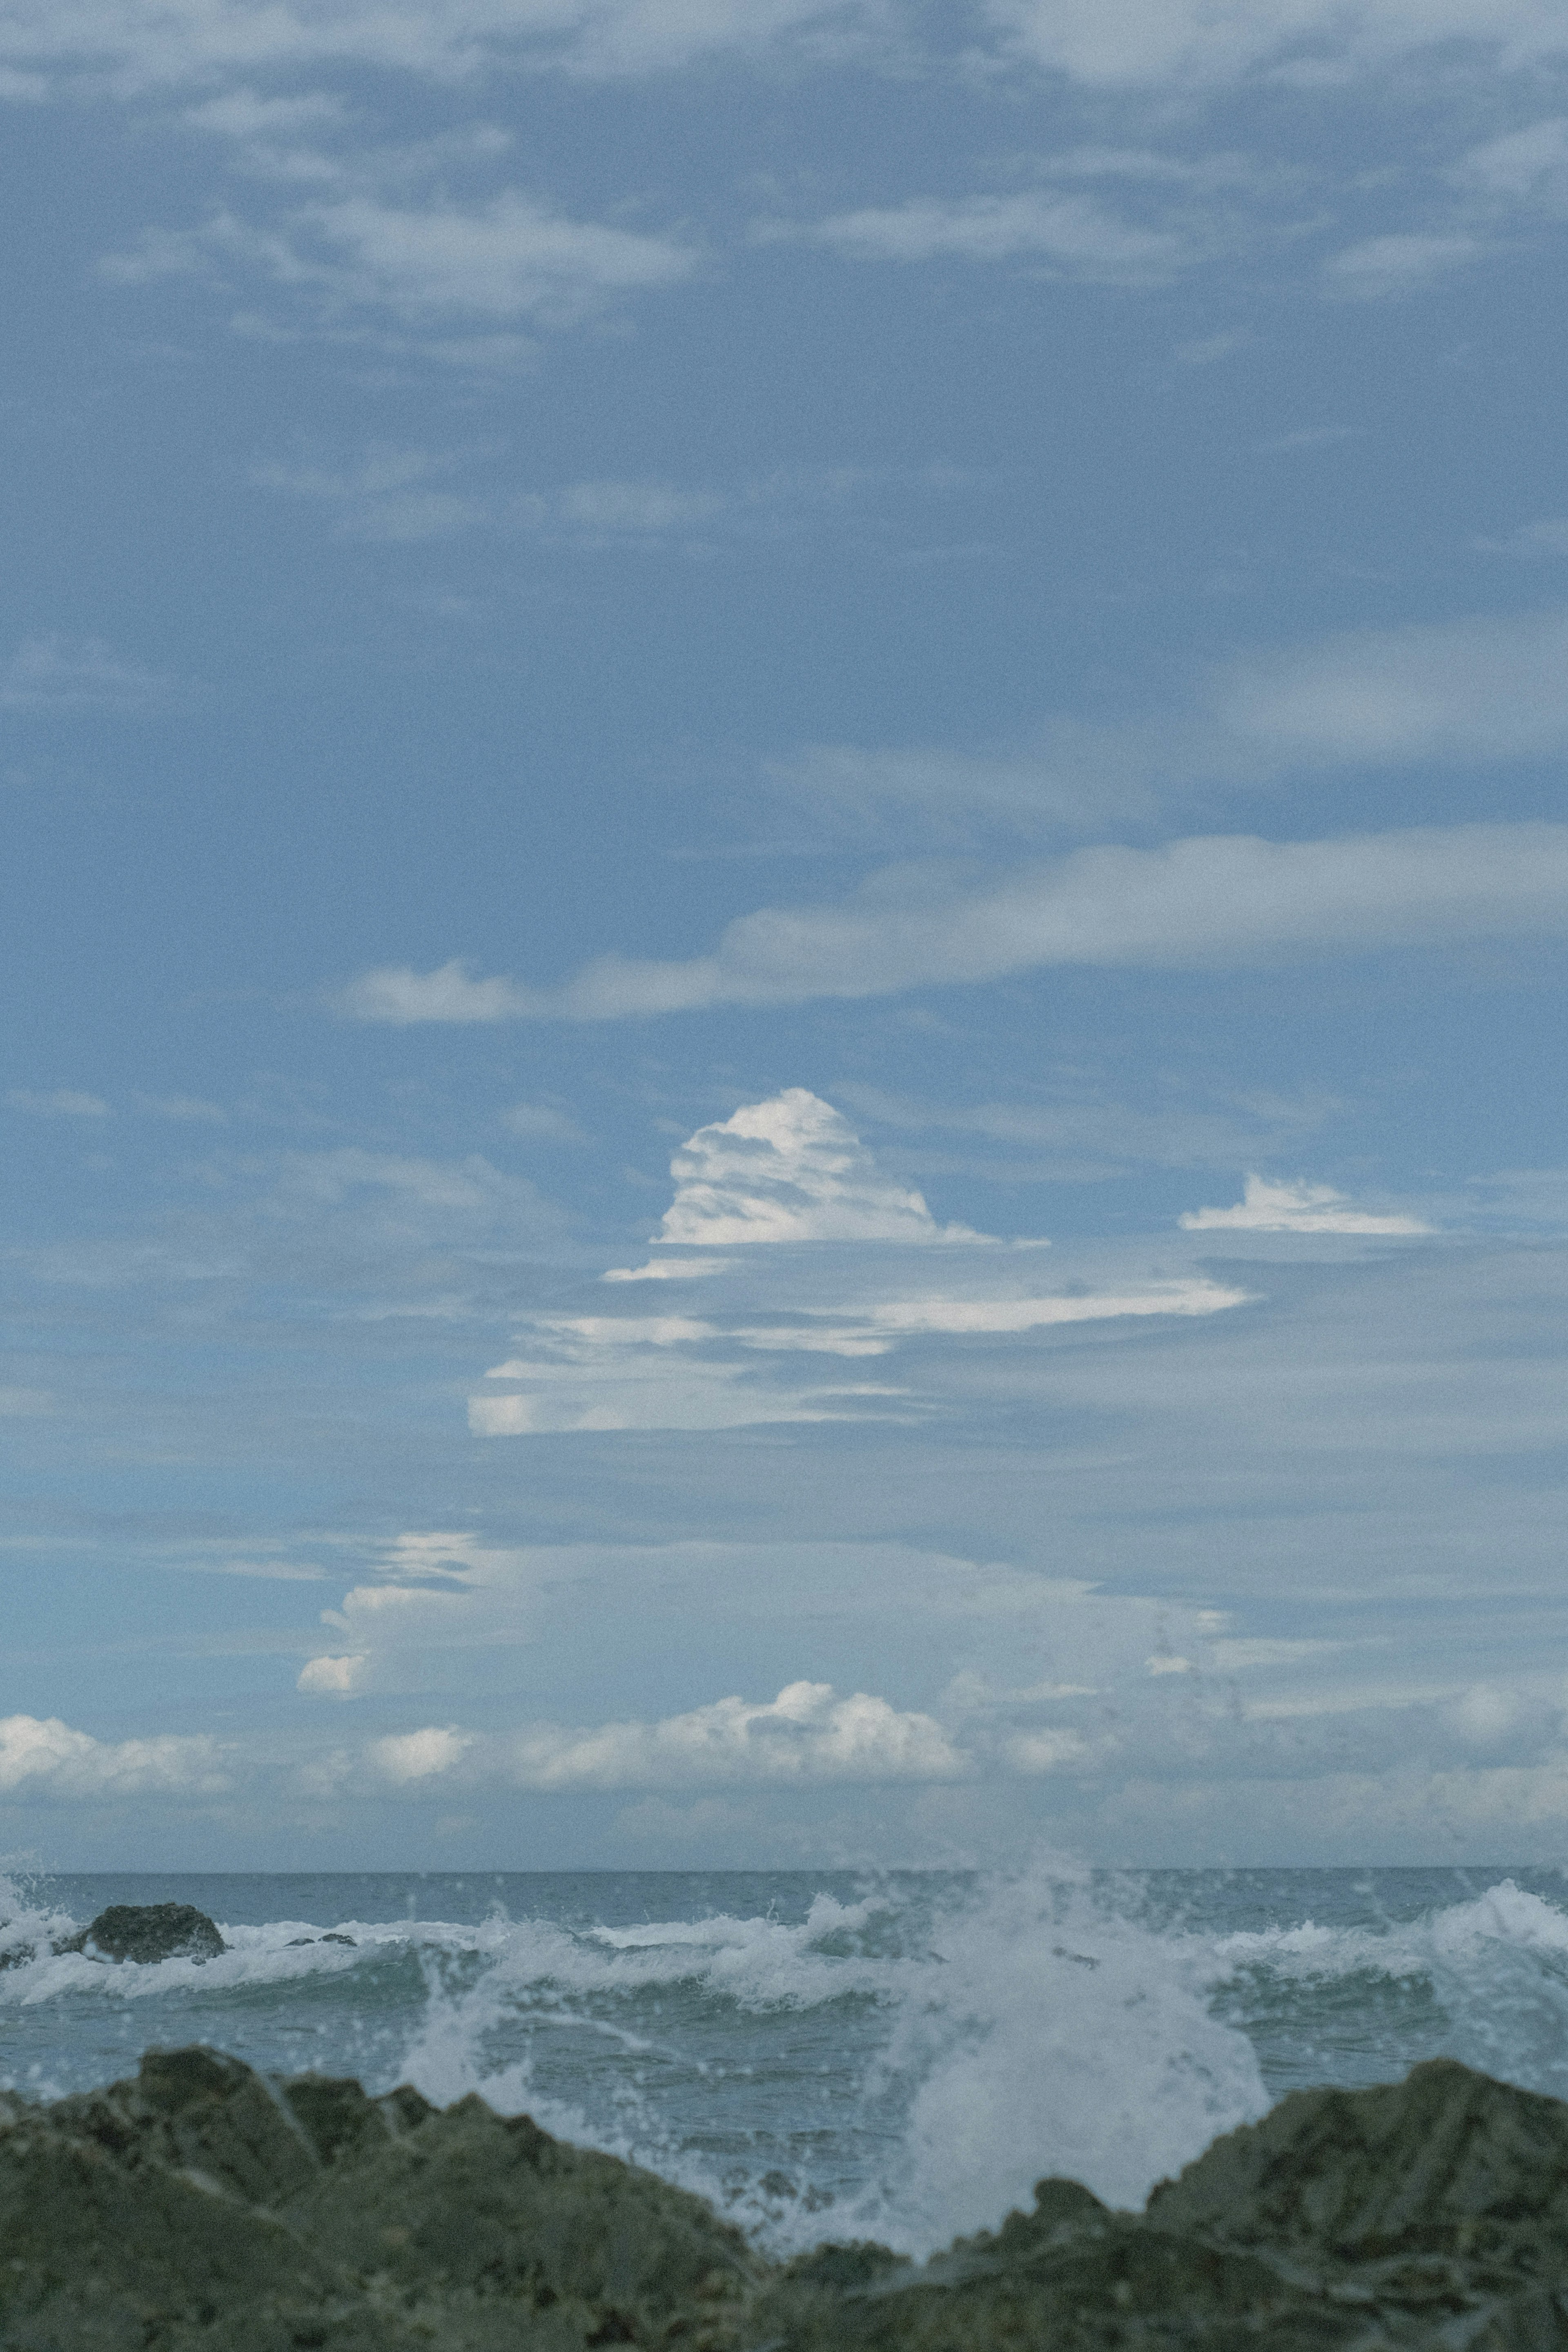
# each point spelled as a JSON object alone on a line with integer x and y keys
{"x": 203, "y": 2209}
{"x": 149, "y": 1931}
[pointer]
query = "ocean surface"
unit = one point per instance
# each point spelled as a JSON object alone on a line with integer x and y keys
{"x": 826, "y": 2054}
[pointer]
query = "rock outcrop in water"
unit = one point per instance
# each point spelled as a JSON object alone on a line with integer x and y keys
{"x": 149, "y": 1931}
{"x": 203, "y": 2209}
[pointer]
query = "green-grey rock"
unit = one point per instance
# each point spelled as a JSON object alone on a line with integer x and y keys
{"x": 149, "y": 1931}
{"x": 203, "y": 2208}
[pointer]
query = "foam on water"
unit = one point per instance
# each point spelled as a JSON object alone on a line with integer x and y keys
{"x": 913, "y": 2055}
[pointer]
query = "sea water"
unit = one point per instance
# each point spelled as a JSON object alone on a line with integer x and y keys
{"x": 825, "y": 2054}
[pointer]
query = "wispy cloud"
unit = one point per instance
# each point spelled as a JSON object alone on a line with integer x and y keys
{"x": 1071, "y": 234}
{"x": 1301, "y": 1208}
{"x": 1123, "y": 44}
{"x": 397, "y": 994}
{"x": 458, "y": 282}
{"x": 60, "y": 673}
{"x": 1402, "y": 262}
{"x": 57, "y": 1102}
{"x": 1222, "y": 901}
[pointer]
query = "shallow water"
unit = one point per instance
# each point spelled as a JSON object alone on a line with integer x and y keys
{"x": 827, "y": 2055}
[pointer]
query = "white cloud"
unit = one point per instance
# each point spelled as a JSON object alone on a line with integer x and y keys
{"x": 332, "y": 1678}
{"x": 790, "y": 1169}
{"x": 414, "y": 1756}
{"x": 805, "y": 1736}
{"x": 188, "y": 43}
{"x": 1401, "y": 263}
{"x": 1266, "y": 1208}
{"x": 1066, "y": 233}
{"x": 620, "y": 510}
{"x": 58, "y": 673}
{"x": 667, "y": 1269}
{"x": 542, "y": 1122}
{"x": 507, "y": 259}
{"x": 461, "y": 279}
{"x": 60, "y": 1102}
{"x": 1548, "y": 536}
{"x": 46, "y": 1757}
{"x": 1220, "y": 901}
{"x": 1208, "y": 43}
{"x": 1055, "y": 1749}
{"x": 388, "y": 495}
{"x": 1525, "y": 167}
{"x": 396, "y": 993}
{"x": 1484, "y": 687}
{"x": 1478, "y": 688}
{"x": 335, "y": 1176}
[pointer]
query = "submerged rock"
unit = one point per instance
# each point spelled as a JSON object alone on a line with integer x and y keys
{"x": 202, "y": 2208}
{"x": 149, "y": 1931}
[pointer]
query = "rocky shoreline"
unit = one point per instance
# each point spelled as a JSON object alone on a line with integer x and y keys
{"x": 202, "y": 2207}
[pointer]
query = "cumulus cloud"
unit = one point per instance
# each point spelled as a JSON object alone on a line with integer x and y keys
{"x": 1285, "y": 1208}
{"x": 45, "y": 1757}
{"x": 777, "y": 1176}
{"x": 805, "y": 1736}
{"x": 332, "y": 1678}
{"x": 414, "y": 1756}
{"x": 790, "y": 1169}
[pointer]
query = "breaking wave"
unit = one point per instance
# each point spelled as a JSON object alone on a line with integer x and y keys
{"x": 903, "y": 2059}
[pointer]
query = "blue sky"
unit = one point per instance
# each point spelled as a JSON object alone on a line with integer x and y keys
{"x": 784, "y": 890}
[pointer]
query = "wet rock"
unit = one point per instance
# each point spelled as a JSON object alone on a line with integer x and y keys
{"x": 202, "y": 2208}
{"x": 201, "y": 2205}
{"x": 149, "y": 1931}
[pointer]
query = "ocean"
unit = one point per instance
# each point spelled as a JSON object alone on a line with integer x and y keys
{"x": 825, "y": 2054}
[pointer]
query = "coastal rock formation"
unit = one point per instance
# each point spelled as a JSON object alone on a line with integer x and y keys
{"x": 202, "y": 2208}
{"x": 149, "y": 1931}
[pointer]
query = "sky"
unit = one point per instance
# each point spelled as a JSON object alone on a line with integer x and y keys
{"x": 783, "y": 895}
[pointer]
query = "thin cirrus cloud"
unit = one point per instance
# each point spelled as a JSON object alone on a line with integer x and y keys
{"x": 1299, "y": 1208}
{"x": 1224, "y": 901}
{"x": 776, "y": 1184}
